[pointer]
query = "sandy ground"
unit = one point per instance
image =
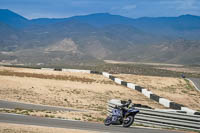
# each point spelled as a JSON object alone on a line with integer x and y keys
{"x": 66, "y": 93}
{"x": 15, "y": 128}
{"x": 90, "y": 91}
{"x": 93, "y": 116}
{"x": 77, "y": 94}
{"x": 143, "y": 63}
{"x": 47, "y": 74}
{"x": 175, "y": 89}
{"x": 182, "y": 69}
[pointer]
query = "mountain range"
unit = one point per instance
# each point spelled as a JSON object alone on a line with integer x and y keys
{"x": 96, "y": 37}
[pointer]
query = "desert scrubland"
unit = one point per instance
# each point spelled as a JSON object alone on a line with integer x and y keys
{"x": 83, "y": 91}
{"x": 86, "y": 92}
{"x": 178, "y": 90}
{"x": 15, "y": 128}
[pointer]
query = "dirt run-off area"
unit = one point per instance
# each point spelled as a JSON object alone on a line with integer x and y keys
{"x": 16, "y": 128}
{"x": 71, "y": 90}
{"x": 195, "y": 70}
{"x": 178, "y": 90}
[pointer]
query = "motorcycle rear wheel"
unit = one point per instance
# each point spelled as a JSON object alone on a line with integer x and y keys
{"x": 128, "y": 121}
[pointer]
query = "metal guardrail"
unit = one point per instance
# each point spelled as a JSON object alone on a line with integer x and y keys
{"x": 164, "y": 119}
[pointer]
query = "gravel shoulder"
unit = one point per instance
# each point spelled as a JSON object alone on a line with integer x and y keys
{"x": 16, "y": 128}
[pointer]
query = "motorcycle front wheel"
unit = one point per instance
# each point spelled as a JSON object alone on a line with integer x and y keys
{"x": 128, "y": 121}
{"x": 107, "y": 121}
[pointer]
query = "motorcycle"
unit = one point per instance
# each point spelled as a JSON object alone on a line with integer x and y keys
{"x": 122, "y": 116}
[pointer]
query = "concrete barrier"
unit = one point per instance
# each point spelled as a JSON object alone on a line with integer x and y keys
{"x": 164, "y": 102}
{"x": 146, "y": 93}
{"x": 149, "y": 94}
{"x": 118, "y": 81}
{"x": 75, "y": 70}
{"x": 131, "y": 86}
{"x": 48, "y": 69}
{"x": 105, "y": 74}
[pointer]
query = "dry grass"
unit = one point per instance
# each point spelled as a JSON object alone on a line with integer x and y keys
{"x": 175, "y": 89}
{"x": 49, "y": 75}
{"x": 15, "y": 128}
{"x": 91, "y": 96}
{"x": 182, "y": 69}
{"x": 143, "y": 63}
{"x": 94, "y": 116}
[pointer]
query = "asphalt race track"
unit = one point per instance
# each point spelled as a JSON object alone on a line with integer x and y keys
{"x": 70, "y": 124}
{"x": 196, "y": 81}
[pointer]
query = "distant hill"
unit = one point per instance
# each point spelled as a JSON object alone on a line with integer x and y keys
{"x": 95, "y": 37}
{"x": 9, "y": 37}
{"x": 13, "y": 19}
{"x": 103, "y": 19}
{"x": 185, "y": 26}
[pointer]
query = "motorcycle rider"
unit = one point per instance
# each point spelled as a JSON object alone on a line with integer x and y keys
{"x": 126, "y": 105}
{"x": 122, "y": 114}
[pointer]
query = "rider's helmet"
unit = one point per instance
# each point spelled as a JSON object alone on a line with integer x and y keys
{"x": 129, "y": 101}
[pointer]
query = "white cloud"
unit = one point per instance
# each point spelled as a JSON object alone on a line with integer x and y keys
{"x": 187, "y": 4}
{"x": 129, "y": 7}
{"x": 181, "y": 4}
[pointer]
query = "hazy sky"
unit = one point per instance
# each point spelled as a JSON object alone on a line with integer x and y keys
{"x": 129, "y": 8}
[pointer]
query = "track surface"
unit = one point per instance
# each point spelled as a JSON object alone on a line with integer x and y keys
{"x": 30, "y": 120}
{"x": 196, "y": 81}
{"x": 14, "y": 105}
